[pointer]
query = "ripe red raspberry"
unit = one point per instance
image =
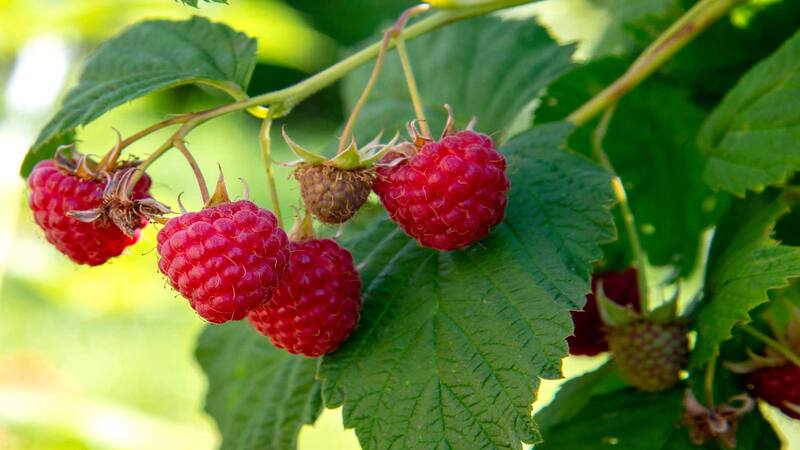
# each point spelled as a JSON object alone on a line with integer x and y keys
{"x": 317, "y": 304}
{"x": 54, "y": 192}
{"x": 226, "y": 259}
{"x": 778, "y": 386}
{"x": 589, "y": 337}
{"x": 450, "y": 193}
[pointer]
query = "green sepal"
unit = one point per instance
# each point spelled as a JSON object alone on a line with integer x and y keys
{"x": 348, "y": 159}
{"x": 665, "y": 313}
{"x": 303, "y": 154}
{"x": 612, "y": 313}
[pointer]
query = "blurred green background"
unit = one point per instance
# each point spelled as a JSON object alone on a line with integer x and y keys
{"x": 101, "y": 358}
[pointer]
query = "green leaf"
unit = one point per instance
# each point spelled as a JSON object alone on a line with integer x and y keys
{"x": 650, "y": 139}
{"x": 598, "y": 410}
{"x": 625, "y": 419}
{"x": 147, "y": 57}
{"x": 260, "y": 396}
{"x": 485, "y": 67}
{"x": 745, "y": 263}
{"x": 451, "y": 345}
{"x": 576, "y": 393}
{"x": 753, "y": 137}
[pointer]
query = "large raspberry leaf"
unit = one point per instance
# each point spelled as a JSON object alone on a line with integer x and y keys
{"x": 753, "y": 137}
{"x": 259, "y": 395}
{"x": 744, "y": 263}
{"x": 485, "y": 67}
{"x": 451, "y": 345}
{"x": 148, "y": 57}
{"x": 671, "y": 215}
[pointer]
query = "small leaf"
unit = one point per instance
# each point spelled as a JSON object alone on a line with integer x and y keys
{"x": 753, "y": 137}
{"x": 260, "y": 396}
{"x": 148, "y": 57}
{"x": 451, "y": 345}
{"x": 744, "y": 263}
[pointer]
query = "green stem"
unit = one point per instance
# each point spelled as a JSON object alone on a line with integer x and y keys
{"x": 413, "y": 90}
{"x": 266, "y": 142}
{"x": 292, "y": 95}
{"x": 201, "y": 181}
{"x": 622, "y": 201}
{"x": 708, "y": 383}
{"x": 693, "y": 22}
{"x": 770, "y": 342}
{"x": 395, "y": 30}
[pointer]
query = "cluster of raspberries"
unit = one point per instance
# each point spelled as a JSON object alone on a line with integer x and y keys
{"x": 232, "y": 261}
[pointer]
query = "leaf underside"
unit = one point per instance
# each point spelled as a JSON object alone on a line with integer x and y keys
{"x": 148, "y": 57}
{"x": 259, "y": 395}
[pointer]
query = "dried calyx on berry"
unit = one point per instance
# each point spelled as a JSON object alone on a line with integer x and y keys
{"x": 772, "y": 376}
{"x": 650, "y": 349}
{"x": 127, "y": 211}
{"x": 718, "y": 422}
{"x": 333, "y": 190}
{"x": 225, "y": 259}
{"x": 79, "y": 205}
{"x": 446, "y": 194}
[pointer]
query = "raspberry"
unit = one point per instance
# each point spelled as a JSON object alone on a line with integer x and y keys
{"x": 650, "y": 355}
{"x": 333, "y": 195}
{"x": 589, "y": 337}
{"x": 778, "y": 386}
{"x": 317, "y": 304}
{"x": 55, "y": 192}
{"x": 226, "y": 259}
{"x": 450, "y": 193}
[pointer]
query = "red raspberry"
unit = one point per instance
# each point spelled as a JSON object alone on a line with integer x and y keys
{"x": 225, "y": 260}
{"x": 778, "y": 386}
{"x": 450, "y": 193}
{"x": 589, "y": 337}
{"x": 55, "y": 192}
{"x": 317, "y": 304}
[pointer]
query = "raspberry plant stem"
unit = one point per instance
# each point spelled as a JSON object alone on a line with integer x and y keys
{"x": 775, "y": 345}
{"x": 284, "y": 99}
{"x": 395, "y": 30}
{"x": 413, "y": 91}
{"x": 265, "y": 141}
{"x": 624, "y": 207}
{"x": 201, "y": 181}
{"x": 708, "y": 382}
{"x": 687, "y": 27}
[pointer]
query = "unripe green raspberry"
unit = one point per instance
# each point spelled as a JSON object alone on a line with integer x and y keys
{"x": 333, "y": 195}
{"x": 650, "y": 355}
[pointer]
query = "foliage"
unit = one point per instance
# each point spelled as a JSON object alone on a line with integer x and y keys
{"x": 452, "y": 346}
{"x": 145, "y": 58}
